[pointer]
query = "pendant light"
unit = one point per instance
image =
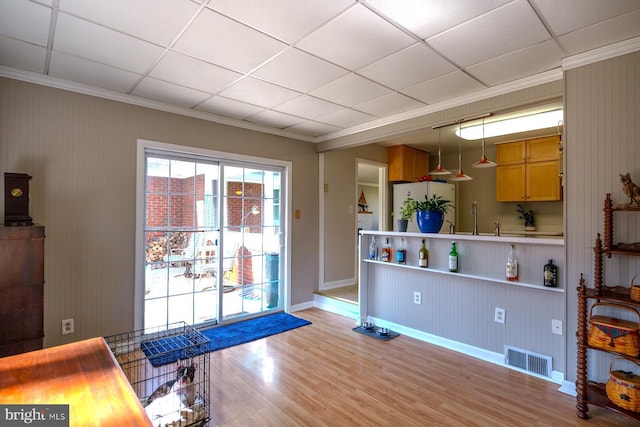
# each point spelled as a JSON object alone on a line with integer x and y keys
{"x": 439, "y": 170}
{"x": 460, "y": 176}
{"x": 483, "y": 162}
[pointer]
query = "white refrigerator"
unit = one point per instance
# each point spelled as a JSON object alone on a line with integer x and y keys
{"x": 418, "y": 190}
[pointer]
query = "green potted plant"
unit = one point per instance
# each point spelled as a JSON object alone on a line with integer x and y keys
{"x": 407, "y": 210}
{"x": 528, "y": 217}
{"x": 430, "y": 213}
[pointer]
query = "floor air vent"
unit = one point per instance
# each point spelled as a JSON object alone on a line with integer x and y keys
{"x": 533, "y": 362}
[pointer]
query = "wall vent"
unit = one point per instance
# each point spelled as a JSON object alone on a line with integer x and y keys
{"x": 527, "y": 360}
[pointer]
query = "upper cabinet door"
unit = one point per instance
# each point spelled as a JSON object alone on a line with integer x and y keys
{"x": 543, "y": 149}
{"x": 407, "y": 164}
{"x": 511, "y": 153}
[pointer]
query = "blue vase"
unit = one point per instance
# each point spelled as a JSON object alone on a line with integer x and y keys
{"x": 430, "y": 221}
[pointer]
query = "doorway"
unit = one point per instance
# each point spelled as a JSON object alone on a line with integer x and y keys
{"x": 370, "y": 188}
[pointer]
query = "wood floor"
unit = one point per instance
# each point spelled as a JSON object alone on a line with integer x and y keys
{"x": 325, "y": 374}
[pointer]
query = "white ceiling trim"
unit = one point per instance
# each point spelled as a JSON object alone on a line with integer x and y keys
{"x": 601, "y": 54}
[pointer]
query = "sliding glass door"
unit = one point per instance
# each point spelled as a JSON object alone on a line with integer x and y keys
{"x": 251, "y": 240}
{"x": 211, "y": 239}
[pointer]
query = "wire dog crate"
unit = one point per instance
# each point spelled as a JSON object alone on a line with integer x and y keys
{"x": 151, "y": 358}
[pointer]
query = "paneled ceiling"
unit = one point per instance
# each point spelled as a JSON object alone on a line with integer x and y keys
{"x": 309, "y": 69}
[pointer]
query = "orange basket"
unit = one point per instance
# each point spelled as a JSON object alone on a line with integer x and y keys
{"x": 613, "y": 334}
{"x": 623, "y": 387}
{"x": 635, "y": 290}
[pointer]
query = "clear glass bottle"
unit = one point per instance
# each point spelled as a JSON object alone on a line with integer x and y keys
{"x": 401, "y": 252}
{"x": 453, "y": 258}
{"x": 550, "y": 275}
{"x": 512, "y": 265}
{"x": 423, "y": 255}
{"x": 373, "y": 248}
{"x": 385, "y": 254}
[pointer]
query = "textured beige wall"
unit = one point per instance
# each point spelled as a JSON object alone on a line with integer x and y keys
{"x": 81, "y": 152}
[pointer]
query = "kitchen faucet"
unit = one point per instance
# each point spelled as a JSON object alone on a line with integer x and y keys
{"x": 474, "y": 212}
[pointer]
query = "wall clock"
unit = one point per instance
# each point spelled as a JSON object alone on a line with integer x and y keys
{"x": 16, "y": 199}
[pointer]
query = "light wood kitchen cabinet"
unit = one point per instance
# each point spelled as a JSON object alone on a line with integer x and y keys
{"x": 529, "y": 171}
{"x": 407, "y": 164}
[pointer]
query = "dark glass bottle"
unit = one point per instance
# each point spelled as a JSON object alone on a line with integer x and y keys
{"x": 550, "y": 275}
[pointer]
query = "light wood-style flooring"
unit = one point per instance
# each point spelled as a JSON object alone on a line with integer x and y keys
{"x": 325, "y": 374}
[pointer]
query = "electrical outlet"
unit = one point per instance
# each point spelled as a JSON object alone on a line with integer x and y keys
{"x": 67, "y": 326}
{"x": 500, "y": 315}
{"x": 556, "y": 326}
{"x": 417, "y": 297}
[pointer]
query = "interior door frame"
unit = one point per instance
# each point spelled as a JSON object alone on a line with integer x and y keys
{"x": 226, "y": 157}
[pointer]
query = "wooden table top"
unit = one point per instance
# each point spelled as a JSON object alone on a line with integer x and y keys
{"x": 83, "y": 374}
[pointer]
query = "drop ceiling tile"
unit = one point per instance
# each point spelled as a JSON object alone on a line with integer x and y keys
{"x": 308, "y": 107}
{"x": 313, "y": 128}
{"x": 443, "y": 88}
{"x": 494, "y": 34}
{"x": 346, "y": 118}
{"x": 407, "y": 67}
{"x": 229, "y": 107}
{"x": 194, "y": 73}
{"x": 426, "y": 18}
{"x": 355, "y": 38}
{"x": 350, "y": 90}
{"x": 158, "y": 21}
{"x": 81, "y": 38}
{"x": 299, "y": 70}
{"x": 275, "y": 119}
{"x": 168, "y": 92}
{"x": 229, "y": 44}
{"x": 612, "y": 31}
{"x": 269, "y": 17}
{"x": 570, "y": 15}
{"x": 25, "y": 21}
{"x": 81, "y": 70}
{"x": 389, "y": 105}
{"x": 19, "y": 54}
{"x": 258, "y": 92}
{"x": 534, "y": 59}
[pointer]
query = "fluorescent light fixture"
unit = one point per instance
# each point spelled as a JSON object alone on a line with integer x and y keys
{"x": 542, "y": 120}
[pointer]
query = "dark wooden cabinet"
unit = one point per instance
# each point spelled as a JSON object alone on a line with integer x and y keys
{"x": 21, "y": 289}
{"x": 590, "y": 392}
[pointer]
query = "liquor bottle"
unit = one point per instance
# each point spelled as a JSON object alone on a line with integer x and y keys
{"x": 386, "y": 251}
{"x": 453, "y": 258}
{"x": 373, "y": 248}
{"x": 512, "y": 264}
{"x": 401, "y": 252}
{"x": 550, "y": 275}
{"x": 423, "y": 256}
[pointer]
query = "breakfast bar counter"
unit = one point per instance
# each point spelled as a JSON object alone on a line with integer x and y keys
{"x": 84, "y": 375}
{"x": 461, "y": 307}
